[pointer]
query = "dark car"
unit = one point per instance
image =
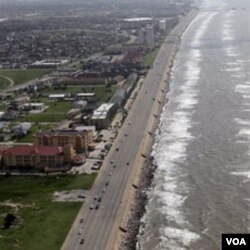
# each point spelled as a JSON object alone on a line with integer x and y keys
{"x": 96, "y": 206}
{"x": 82, "y": 241}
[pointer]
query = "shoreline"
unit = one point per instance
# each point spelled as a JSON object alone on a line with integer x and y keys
{"x": 140, "y": 180}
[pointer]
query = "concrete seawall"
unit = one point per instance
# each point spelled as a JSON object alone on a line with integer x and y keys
{"x": 134, "y": 199}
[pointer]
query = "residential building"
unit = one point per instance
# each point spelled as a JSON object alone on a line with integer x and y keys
{"x": 21, "y": 129}
{"x": 146, "y": 37}
{"x": 78, "y": 139}
{"x": 34, "y": 106}
{"x": 39, "y": 157}
{"x": 80, "y": 104}
{"x": 162, "y": 24}
{"x": 102, "y": 116}
{"x": 90, "y": 97}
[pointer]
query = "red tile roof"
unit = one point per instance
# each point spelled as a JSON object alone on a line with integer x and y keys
{"x": 31, "y": 150}
{"x": 2, "y": 149}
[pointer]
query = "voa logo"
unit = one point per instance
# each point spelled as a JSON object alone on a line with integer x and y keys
{"x": 236, "y": 241}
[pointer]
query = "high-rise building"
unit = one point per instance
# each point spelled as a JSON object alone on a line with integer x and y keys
{"x": 162, "y": 24}
{"x": 146, "y": 37}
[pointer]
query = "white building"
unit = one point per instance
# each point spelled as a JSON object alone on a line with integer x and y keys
{"x": 34, "y": 106}
{"x": 101, "y": 117}
{"x": 57, "y": 96}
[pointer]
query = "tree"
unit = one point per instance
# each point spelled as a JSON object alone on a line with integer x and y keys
{"x": 8, "y": 220}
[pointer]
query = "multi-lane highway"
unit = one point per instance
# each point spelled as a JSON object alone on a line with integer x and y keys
{"x": 96, "y": 224}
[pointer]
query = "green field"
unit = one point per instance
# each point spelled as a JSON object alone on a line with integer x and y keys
{"x": 4, "y": 83}
{"x": 23, "y": 75}
{"x": 58, "y": 107}
{"x": 42, "y": 224}
{"x": 150, "y": 57}
{"x": 56, "y": 112}
{"x": 44, "y": 117}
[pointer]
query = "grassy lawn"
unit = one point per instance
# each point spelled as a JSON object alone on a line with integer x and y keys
{"x": 23, "y": 75}
{"x": 150, "y": 57}
{"x": 58, "y": 107}
{"x": 4, "y": 83}
{"x": 44, "y": 117}
{"x": 56, "y": 112}
{"x": 33, "y": 130}
{"x": 42, "y": 224}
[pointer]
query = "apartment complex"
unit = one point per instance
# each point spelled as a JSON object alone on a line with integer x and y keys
{"x": 79, "y": 140}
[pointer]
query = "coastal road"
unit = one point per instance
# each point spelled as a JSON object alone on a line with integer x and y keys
{"x": 113, "y": 177}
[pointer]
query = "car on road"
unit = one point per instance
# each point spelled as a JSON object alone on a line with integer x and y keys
{"x": 112, "y": 161}
{"x": 91, "y": 206}
{"x": 129, "y": 123}
{"x": 81, "y": 220}
{"x": 99, "y": 199}
{"x": 127, "y": 163}
{"x": 96, "y": 197}
{"x": 117, "y": 149}
{"x": 104, "y": 190}
{"x": 125, "y": 134}
{"x": 96, "y": 206}
{"x": 107, "y": 183}
{"x": 81, "y": 196}
{"x": 82, "y": 241}
{"x": 80, "y": 232}
{"x": 114, "y": 166}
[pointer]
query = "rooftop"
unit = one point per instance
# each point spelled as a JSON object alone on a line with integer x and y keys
{"x": 30, "y": 150}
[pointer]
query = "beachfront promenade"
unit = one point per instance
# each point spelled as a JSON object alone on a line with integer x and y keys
{"x": 121, "y": 168}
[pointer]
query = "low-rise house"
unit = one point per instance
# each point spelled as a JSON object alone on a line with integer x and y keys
{"x": 19, "y": 102}
{"x": 21, "y": 129}
{"x": 9, "y": 116}
{"x": 34, "y": 106}
{"x": 80, "y": 104}
{"x": 90, "y": 97}
{"x": 57, "y": 97}
{"x": 1, "y": 114}
{"x": 73, "y": 112}
{"x": 4, "y": 137}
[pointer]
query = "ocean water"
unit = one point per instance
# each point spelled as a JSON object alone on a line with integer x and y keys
{"x": 201, "y": 187}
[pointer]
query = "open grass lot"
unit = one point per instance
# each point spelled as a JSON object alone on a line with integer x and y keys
{"x": 34, "y": 129}
{"x": 58, "y": 107}
{"x": 56, "y": 112}
{"x": 150, "y": 57}
{"x": 42, "y": 224}
{"x": 23, "y": 75}
{"x": 44, "y": 117}
{"x": 4, "y": 83}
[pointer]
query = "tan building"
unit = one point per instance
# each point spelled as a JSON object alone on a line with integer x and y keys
{"x": 39, "y": 157}
{"x": 80, "y": 140}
